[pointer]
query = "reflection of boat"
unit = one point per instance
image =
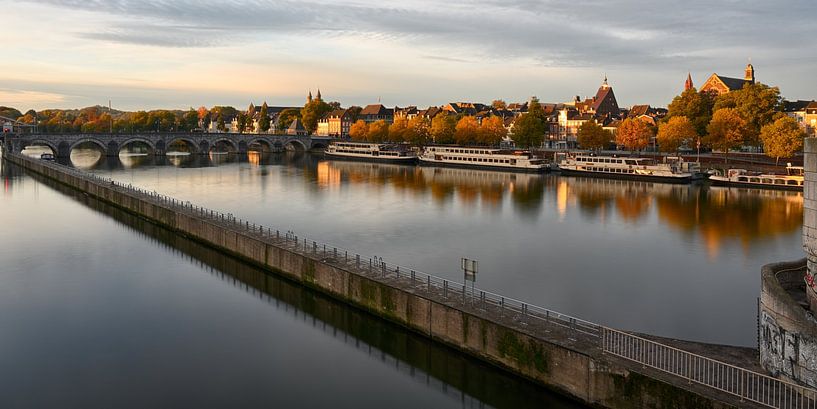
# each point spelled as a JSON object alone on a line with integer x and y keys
{"x": 484, "y": 158}
{"x": 47, "y": 156}
{"x": 672, "y": 170}
{"x": 792, "y": 180}
{"x": 380, "y": 152}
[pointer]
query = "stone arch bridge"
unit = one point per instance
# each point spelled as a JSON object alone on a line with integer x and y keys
{"x": 158, "y": 142}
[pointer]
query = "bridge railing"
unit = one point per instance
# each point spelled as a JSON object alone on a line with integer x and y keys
{"x": 743, "y": 383}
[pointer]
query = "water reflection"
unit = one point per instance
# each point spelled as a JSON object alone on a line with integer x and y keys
{"x": 462, "y": 379}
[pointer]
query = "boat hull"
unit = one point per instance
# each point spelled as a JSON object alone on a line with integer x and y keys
{"x": 425, "y": 162}
{"x": 720, "y": 181}
{"x": 626, "y": 176}
{"x": 410, "y": 160}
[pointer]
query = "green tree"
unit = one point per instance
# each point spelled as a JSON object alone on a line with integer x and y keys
{"x": 286, "y": 117}
{"x": 467, "y": 131}
{"x": 633, "y": 134}
{"x": 696, "y": 106}
{"x": 263, "y": 122}
{"x": 782, "y": 138}
{"x": 675, "y": 132}
{"x": 592, "y": 136}
{"x": 443, "y": 127}
{"x": 359, "y": 130}
{"x": 378, "y": 131}
{"x": 758, "y": 104}
{"x": 492, "y": 131}
{"x": 726, "y": 131}
{"x": 312, "y": 112}
{"x": 529, "y": 129}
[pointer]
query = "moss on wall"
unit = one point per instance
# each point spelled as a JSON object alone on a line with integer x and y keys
{"x": 526, "y": 354}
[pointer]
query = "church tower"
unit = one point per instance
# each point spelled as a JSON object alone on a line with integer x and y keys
{"x": 309, "y": 97}
{"x": 749, "y": 73}
{"x": 318, "y": 97}
{"x": 688, "y": 84}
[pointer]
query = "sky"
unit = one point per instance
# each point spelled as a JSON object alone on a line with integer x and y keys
{"x": 176, "y": 54}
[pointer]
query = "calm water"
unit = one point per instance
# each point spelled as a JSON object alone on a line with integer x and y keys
{"x": 677, "y": 261}
{"x": 99, "y": 309}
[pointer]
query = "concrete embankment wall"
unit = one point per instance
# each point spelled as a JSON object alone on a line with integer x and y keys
{"x": 580, "y": 370}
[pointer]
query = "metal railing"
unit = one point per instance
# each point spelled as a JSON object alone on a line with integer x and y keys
{"x": 745, "y": 384}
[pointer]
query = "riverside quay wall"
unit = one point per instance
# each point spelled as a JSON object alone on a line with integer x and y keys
{"x": 599, "y": 366}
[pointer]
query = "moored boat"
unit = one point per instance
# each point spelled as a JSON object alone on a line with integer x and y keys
{"x": 672, "y": 170}
{"x": 483, "y": 158}
{"x": 379, "y": 152}
{"x": 792, "y": 180}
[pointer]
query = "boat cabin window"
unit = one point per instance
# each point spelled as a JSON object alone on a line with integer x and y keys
{"x": 630, "y": 162}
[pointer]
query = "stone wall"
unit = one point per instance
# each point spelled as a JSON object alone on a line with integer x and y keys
{"x": 810, "y": 216}
{"x": 788, "y": 333}
{"x": 580, "y": 371}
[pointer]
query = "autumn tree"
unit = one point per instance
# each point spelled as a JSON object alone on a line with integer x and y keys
{"x": 398, "y": 130}
{"x": 313, "y": 111}
{"x": 492, "y": 131}
{"x": 782, "y": 138}
{"x": 529, "y": 129}
{"x": 467, "y": 131}
{"x": 443, "y": 127}
{"x": 674, "y": 133}
{"x": 419, "y": 130}
{"x": 9, "y": 112}
{"x": 758, "y": 105}
{"x": 499, "y": 104}
{"x": 695, "y": 106}
{"x": 592, "y": 136}
{"x": 378, "y": 131}
{"x": 263, "y": 121}
{"x": 286, "y": 117}
{"x": 359, "y": 130}
{"x": 726, "y": 131}
{"x": 633, "y": 134}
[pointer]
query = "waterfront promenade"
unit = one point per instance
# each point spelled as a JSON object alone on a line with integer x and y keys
{"x": 590, "y": 362}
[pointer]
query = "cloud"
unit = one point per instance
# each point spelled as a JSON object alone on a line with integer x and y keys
{"x": 26, "y": 98}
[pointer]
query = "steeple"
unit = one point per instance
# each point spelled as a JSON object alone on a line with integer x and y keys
{"x": 319, "y": 94}
{"x": 309, "y": 97}
{"x": 749, "y": 74}
{"x": 605, "y": 84}
{"x": 688, "y": 84}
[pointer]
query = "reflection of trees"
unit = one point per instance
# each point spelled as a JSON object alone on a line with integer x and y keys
{"x": 470, "y": 186}
{"x": 719, "y": 214}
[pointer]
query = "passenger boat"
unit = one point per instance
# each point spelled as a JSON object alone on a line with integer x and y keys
{"x": 483, "y": 158}
{"x": 381, "y": 152}
{"x": 672, "y": 170}
{"x": 47, "y": 156}
{"x": 792, "y": 180}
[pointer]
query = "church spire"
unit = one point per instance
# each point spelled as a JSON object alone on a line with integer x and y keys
{"x": 749, "y": 74}
{"x": 688, "y": 84}
{"x": 319, "y": 94}
{"x": 309, "y": 97}
{"x": 604, "y": 84}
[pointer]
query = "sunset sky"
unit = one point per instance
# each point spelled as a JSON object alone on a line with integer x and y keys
{"x": 178, "y": 54}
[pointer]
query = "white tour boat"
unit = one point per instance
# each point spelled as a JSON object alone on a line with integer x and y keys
{"x": 484, "y": 158}
{"x": 792, "y": 180}
{"x": 380, "y": 152}
{"x": 672, "y": 170}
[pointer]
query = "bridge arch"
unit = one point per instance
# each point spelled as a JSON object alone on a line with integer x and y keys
{"x": 41, "y": 142}
{"x": 138, "y": 139}
{"x": 265, "y": 142}
{"x": 110, "y": 149}
{"x": 190, "y": 143}
{"x": 226, "y": 141}
{"x": 295, "y": 144}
